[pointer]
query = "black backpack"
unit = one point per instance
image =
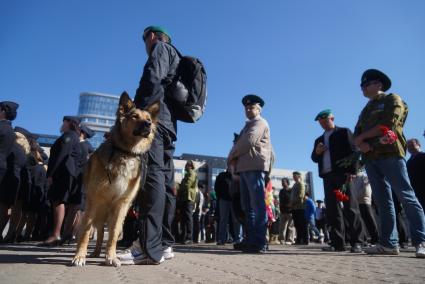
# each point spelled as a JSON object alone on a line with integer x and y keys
{"x": 188, "y": 91}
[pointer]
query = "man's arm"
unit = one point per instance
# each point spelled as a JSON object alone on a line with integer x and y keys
{"x": 156, "y": 69}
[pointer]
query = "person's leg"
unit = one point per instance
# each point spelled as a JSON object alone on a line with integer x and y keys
{"x": 224, "y": 207}
{"x": 403, "y": 237}
{"x": 370, "y": 222}
{"x": 170, "y": 198}
{"x": 15, "y": 219}
{"x": 152, "y": 197}
{"x": 334, "y": 216}
{"x": 258, "y": 214}
{"x": 396, "y": 172}
{"x": 290, "y": 229}
{"x": 381, "y": 193}
{"x": 355, "y": 226}
{"x": 246, "y": 207}
{"x": 4, "y": 218}
{"x": 189, "y": 221}
{"x": 237, "y": 228}
{"x": 58, "y": 216}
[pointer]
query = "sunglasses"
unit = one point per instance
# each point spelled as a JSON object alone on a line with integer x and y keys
{"x": 368, "y": 83}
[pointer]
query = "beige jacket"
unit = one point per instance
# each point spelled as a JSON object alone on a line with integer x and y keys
{"x": 253, "y": 150}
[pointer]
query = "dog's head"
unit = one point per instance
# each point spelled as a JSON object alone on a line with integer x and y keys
{"x": 136, "y": 122}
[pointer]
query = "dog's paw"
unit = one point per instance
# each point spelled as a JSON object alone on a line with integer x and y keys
{"x": 79, "y": 261}
{"x": 113, "y": 262}
{"x": 94, "y": 254}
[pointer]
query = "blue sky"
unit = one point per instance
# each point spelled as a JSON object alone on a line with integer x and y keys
{"x": 300, "y": 56}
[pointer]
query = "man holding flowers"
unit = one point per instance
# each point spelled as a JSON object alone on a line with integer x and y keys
{"x": 379, "y": 136}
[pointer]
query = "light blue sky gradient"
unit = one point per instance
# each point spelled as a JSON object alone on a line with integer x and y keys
{"x": 300, "y": 56}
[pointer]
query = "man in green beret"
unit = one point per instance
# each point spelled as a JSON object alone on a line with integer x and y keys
{"x": 334, "y": 145}
{"x": 385, "y": 163}
{"x": 157, "y": 197}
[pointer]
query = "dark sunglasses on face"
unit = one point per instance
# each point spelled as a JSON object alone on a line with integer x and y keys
{"x": 368, "y": 83}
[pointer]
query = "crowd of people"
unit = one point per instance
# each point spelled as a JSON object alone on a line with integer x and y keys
{"x": 364, "y": 174}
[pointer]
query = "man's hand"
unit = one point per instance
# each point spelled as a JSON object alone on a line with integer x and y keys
{"x": 320, "y": 148}
{"x": 364, "y": 147}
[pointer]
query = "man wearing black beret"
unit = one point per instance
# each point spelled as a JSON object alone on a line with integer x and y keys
{"x": 385, "y": 163}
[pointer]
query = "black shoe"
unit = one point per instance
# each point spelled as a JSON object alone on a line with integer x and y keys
{"x": 253, "y": 249}
{"x": 332, "y": 249}
{"x": 356, "y": 248}
{"x": 238, "y": 246}
{"x": 220, "y": 243}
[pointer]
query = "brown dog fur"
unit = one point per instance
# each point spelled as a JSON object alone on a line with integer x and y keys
{"x": 112, "y": 178}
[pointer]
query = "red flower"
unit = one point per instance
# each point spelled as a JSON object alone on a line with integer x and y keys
{"x": 388, "y": 136}
{"x": 340, "y": 196}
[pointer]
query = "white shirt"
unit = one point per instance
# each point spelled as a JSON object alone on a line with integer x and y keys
{"x": 327, "y": 165}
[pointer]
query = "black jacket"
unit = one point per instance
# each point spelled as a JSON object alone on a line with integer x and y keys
{"x": 416, "y": 171}
{"x": 158, "y": 73}
{"x": 65, "y": 155}
{"x": 340, "y": 147}
{"x": 284, "y": 201}
{"x": 222, "y": 186}
{"x": 7, "y": 138}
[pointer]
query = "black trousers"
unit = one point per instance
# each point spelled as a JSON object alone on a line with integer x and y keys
{"x": 300, "y": 225}
{"x": 186, "y": 209}
{"x": 335, "y": 214}
{"x": 156, "y": 204}
{"x": 370, "y": 222}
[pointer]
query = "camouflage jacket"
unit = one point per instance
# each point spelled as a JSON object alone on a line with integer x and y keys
{"x": 388, "y": 110}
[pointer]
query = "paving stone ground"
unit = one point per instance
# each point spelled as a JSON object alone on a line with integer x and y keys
{"x": 203, "y": 263}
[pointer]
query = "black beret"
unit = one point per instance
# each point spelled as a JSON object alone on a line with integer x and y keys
{"x": 376, "y": 75}
{"x": 23, "y": 131}
{"x": 10, "y": 109}
{"x": 296, "y": 173}
{"x": 252, "y": 99}
{"x": 75, "y": 119}
{"x": 89, "y": 132}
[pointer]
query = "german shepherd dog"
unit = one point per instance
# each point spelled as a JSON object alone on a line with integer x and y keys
{"x": 112, "y": 177}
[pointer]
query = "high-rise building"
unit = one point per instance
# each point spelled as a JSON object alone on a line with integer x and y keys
{"x": 97, "y": 111}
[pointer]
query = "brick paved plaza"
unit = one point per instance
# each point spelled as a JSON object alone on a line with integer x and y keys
{"x": 28, "y": 263}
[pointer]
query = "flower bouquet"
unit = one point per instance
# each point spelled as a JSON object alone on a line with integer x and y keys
{"x": 341, "y": 193}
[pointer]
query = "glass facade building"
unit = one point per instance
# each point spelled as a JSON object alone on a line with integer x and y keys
{"x": 97, "y": 111}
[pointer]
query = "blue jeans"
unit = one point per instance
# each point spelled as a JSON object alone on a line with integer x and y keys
{"x": 226, "y": 212}
{"x": 312, "y": 229}
{"x": 254, "y": 206}
{"x": 387, "y": 174}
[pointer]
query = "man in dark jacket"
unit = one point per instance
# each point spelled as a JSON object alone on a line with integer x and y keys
{"x": 333, "y": 146}
{"x": 157, "y": 197}
{"x": 222, "y": 187}
{"x": 286, "y": 224}
{"x": 415, "y": 169}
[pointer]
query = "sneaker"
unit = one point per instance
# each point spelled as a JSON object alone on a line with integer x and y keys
{"x": 289, "y": 243}
{"x": 381, "y": 250}
{"x": 168, "y": 253}
{"x": 420, "y": 250}
{"x": 357, "y": 248}
{"x": 131, "y": 255}
{"x": 146, "y": 260}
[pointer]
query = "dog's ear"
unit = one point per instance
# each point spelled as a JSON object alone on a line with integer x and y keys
{"x": 125, "y": 105}
{"x": 153, "y": 110}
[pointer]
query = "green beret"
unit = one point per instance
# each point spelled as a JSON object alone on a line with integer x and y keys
{"x": 323, "y": 114}
{"x": 252, "y": 100}
{"x": 376, "y": 75}
{"x": 156, "y": 29}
